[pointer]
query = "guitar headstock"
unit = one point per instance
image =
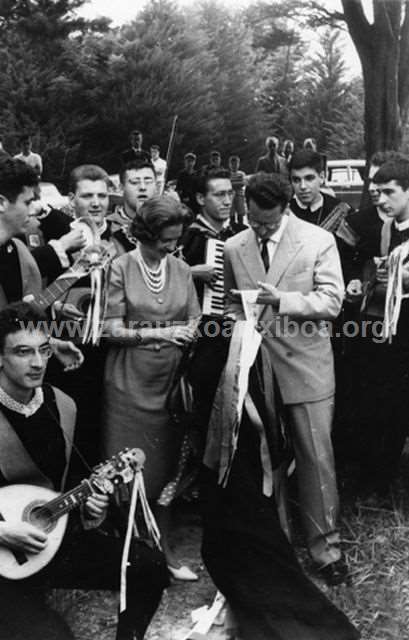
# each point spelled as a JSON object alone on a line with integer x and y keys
{"x": 120, "y": 469}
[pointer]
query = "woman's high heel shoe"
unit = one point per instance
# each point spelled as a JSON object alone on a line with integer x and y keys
{"x": 183, "y": 573}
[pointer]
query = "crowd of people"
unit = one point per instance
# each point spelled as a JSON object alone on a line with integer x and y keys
{"x": 162, "y": 373}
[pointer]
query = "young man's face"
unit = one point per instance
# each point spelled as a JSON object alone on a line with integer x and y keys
{"x": 26, "y": 146}
{"x": 288, "y": 149}
{"x": 272, "y": 145}
{"x": 306, "y": 184}
{"x": 136, "y": 140}
{"x": 138, "y": 186}
{"x": 190, "y": 164}
{"x": 264, "y": 222}
{"x": 16, "y": 215}
{"x": 216, "y": 204}
{"x": 215, "y": 160}
{"x": 154, "y": 154}
{"x": 23, "y": 361}
{"x": 393, "y": 200}
{"x": 91, "y": 200}
{"x": 234, "y": 164}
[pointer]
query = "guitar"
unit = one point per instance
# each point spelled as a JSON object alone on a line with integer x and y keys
{"x": 91, "y": 258}
{"x": 48, "y": 510}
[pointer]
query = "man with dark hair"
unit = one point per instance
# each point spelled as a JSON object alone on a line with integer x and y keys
{"x": 26, "y": 155}
{"x": 384, "y": 372}
{"x": 214, "y": 194}
{"x": 135, "y": 150}
{"x": 309, "y": 203}
{"x": 272, "y": 162}
{"x": 138, "y": 180}
{"x": 19, "y": 273}
{"x": 186, "y": 182}
{"x": 297, "y": 269}
{"x": 215, "y": 162}
{"x": 36, "y": 430}
{"x": 361, "y": 230}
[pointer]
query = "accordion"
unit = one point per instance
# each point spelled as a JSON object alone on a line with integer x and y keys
{"x": 213, "y": 296}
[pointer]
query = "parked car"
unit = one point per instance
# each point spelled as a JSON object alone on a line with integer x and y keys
{"x": 115, "y": 191}
{"x": 50, "y": 195}
{"x": 346, "y": 178}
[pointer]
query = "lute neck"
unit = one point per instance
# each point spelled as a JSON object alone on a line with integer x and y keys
{"x": 70, "y": 500}
{"x": 52, "y": 293}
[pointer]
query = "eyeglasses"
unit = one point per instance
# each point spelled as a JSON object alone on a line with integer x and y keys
{"x": 26, "y": 353}
{"x": 271, "y": 226}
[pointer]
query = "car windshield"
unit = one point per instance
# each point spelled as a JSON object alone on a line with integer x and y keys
{"x": 49, "y": 190}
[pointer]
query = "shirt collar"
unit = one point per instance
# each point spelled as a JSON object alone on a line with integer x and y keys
{"x": 209, "y": 225}
{"x": 101, "y": 230}
{"x": 402, "y": 226}
{"x": 26, "y": 410}
{"x": 314, "y": 207}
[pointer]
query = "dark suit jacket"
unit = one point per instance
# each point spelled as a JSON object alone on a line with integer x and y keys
{"x": 276, "y": 165}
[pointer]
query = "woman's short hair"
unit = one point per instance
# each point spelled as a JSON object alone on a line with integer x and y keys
{"x": 156, "y": 214}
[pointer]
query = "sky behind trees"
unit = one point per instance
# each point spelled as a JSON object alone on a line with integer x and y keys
{"x": 122, "y": 11}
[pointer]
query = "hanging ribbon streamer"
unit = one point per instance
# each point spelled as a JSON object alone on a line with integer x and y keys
{"x": 138, "y": 492}
{"x": 394, "y": 290}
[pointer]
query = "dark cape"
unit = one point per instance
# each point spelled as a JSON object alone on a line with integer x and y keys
{"x": 244, "y": 547}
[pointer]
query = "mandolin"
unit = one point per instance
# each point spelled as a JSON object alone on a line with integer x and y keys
{"x": 48, "y": 510}
{"x": 90, "y": 259}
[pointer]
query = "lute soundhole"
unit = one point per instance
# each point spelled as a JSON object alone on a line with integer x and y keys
{"x": 39, "y": 516}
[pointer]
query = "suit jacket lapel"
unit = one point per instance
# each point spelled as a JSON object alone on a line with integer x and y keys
{"x": 251, "y": 258}
{"x": 287, "y": 249}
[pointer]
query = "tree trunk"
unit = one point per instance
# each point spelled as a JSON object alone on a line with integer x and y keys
{"x": 379, "y": 48}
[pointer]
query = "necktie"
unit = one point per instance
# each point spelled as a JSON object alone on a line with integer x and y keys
{"x": 264, "y": 255}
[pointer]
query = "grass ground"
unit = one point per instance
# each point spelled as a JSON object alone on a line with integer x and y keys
{"x": 375, "y": 538}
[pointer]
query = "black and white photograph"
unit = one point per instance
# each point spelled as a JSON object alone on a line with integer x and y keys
{"x": 204, "y": 289}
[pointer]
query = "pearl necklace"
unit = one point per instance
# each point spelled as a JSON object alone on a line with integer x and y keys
{"x": 154, "y": 279}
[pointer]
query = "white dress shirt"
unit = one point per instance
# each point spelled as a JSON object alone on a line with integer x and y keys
{"x": 274, "y": 239}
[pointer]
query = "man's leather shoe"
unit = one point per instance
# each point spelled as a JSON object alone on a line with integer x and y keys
{"x": 334, "y": 573}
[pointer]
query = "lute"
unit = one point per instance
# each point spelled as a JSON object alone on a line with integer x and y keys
{"x": 93, "y": 257}
{"x": 48, "y": 510}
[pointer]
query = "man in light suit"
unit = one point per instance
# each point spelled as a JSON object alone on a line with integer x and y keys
{"x": 297, "y": 268}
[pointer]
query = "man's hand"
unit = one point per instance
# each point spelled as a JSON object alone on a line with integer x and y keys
{"x": 204, "y": 272}
{"x": 67, "y": 353}
{"x": 96, "y": 506}
{"x": 354, "y": 291}
{"x": 67, "y": 310}
{"x": 268, "y": 295}
{"x": 22, "y": 536}
{"x": 381, "y": 269}
{"x": 73, "y": 240}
